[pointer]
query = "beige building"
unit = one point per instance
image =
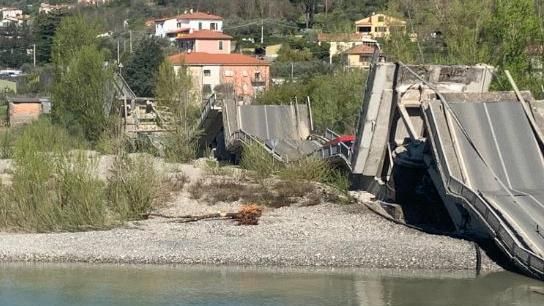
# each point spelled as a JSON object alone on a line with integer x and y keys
{"x": 361, "y": 56}
{"x": 379, "y": 26}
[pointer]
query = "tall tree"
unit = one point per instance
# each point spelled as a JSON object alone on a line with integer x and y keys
{"x": 81, "y": 93}
{"x": 14, "y": 43}
{"x": 514, "y": 28}
{"x": 73, "y": 33}
{"x": 174, "y": 91}
{"x": 83, "y": 85}
{"x": 44, "y": 28}
{"x": 143, "y": 66}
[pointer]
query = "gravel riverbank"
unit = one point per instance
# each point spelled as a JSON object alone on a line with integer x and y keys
{"x": 327, "y": 234}
{"x": 324, "y": 235}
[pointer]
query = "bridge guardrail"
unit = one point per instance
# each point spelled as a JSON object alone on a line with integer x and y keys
{"x": 246, "y": 138}
{"x": 506, "y": 239}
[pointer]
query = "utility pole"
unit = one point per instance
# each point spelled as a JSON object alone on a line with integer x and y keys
{"x": 292, "y": 70}
{"x": 130, "y": 39}
{"x": 34, "y": 54}
{"x": 262, "y": 32}
{"x": 118, "y": 56}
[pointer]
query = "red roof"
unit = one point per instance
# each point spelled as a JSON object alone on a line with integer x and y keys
{"x": 202, "y": 58}
{"x": 204, "y": 34}
{"x": 193, "y": 16}
{"x": 361, "y": 49}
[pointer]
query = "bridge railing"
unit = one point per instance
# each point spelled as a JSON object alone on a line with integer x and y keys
{"x": 504, "y": 236}
{"x": 210, "y": 104}
{"x": 503, "y": 233}
{"x": 245, "y": 138}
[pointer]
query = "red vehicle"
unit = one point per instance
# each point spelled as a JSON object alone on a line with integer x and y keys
{"x": 348, "y": 140}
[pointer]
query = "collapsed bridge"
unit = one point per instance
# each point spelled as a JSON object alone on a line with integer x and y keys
{"x": 437, "y": 129}
{"x": 433, "y": 139}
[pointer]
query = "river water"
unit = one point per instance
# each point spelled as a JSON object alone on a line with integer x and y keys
{"x": 54, "y": 284}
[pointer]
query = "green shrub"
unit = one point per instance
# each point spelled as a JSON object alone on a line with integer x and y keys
{"x": 109, "y": 144}
{"x": 255, "y": 158}
{"x": 178, "y": 147}
{"x": 134, "y": 186}
{"x": 309, "y": 169}
{"x": 43, "y": 136}
{"x": 7, "y": 138}
{"x": 52, "y": 188}
{"x": 53, "y": 192}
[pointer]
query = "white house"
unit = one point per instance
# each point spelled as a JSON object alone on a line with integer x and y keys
{"x": 10, "y": 12}
{"x": 186, "y": 23}
{"x": 11, "y": 15}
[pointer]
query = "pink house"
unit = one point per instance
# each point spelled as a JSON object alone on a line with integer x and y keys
{"x": 247, "y": 74}
{"x": 204, "y": 41}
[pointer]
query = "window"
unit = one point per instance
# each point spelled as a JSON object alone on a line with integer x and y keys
{"x": 179, "y": 25}
{"x": 206, "y": 89}
{"x": 220, "y": 45}
{"x": 200, "y": 25}
{"x": 213, "y": 26}
{"x": 381, "y": 29}
{"x": 363, "y": 59}
{"x": 365, "y": 29}
{"x": 207, "y": 73}
{"x": 257, "y": 76}
{"x": 381, "y": 18}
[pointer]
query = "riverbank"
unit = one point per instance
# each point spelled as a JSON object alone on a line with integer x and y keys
{"x": 301, "y": 234}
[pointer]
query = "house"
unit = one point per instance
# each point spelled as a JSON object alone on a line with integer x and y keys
{"x": 184, "y": 23}
{"x": 10, "y": 12}
{"x": 340, "y": 42}
{"x": 204, "y": 41}
{"x": 25, "y": 110}
{"x": 92, "y": 2}
{"x": 11, "y": 15}
{"x": 361, "y": 56}
{"x": 46, "y": 8}
{"x": 246, "y": 74}
{"x": 379, "y": 26}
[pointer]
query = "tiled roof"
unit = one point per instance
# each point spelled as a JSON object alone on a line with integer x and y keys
{"x": 340, "y": 37}
{"x": 361, "y": 49}
{"x": 204, "y": 34}
{"x": 202, "y": 58}
{"x": 193, "y": 16}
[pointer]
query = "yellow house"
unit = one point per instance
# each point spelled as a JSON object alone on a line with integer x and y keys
{"x": 379, "y": 26}
{"x": 361, "y": 56}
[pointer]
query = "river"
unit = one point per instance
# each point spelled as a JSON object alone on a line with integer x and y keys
{"x": 75, "y": 284}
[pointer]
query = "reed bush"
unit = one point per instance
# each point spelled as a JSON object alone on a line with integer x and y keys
{"x": 52, "y": 189}
{"x": 134, "y": 186}
{"x": 309, "y": 169}
{"x": 256, "y": 159}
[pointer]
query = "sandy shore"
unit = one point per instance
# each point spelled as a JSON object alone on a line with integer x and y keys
{"x": 328, "y": 234}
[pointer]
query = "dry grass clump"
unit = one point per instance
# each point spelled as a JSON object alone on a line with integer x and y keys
{"x": 293, "y": 188}
{"x": 271, "y": 193}
{"x": 249, "y": 215}
{"x": 197, "y": 190}
{"x": 313, "y": 199}
{"x": 177, "y": 181}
